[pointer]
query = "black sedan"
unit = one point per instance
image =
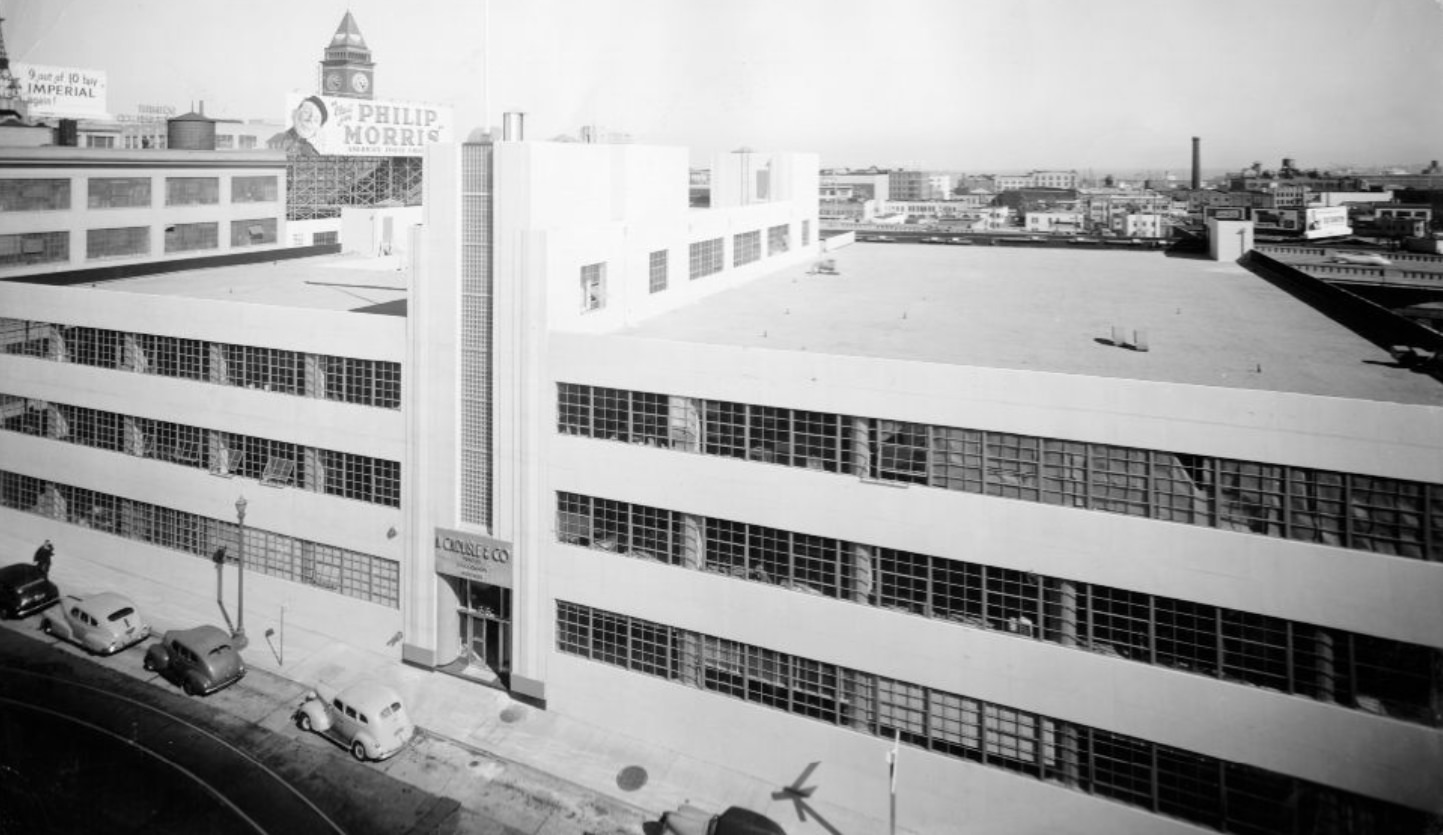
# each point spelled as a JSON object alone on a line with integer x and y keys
{"x": 24, "y": 590}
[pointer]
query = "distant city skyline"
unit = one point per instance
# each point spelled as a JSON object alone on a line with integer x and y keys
{"x": 1113, "y": 86}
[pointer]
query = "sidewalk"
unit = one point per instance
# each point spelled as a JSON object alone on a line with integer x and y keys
{"x": 473, "y": 715}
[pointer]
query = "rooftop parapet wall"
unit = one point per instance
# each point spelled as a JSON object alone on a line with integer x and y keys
{"x": 1373, "y": 322}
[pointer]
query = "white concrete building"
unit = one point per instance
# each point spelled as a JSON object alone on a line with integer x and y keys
{"x": 780, "y": 516}
{"x": 1145, "y": 226}
{"x": 1062, "y": 222}
{"x": 1100, "y": 557}
{"x": 1036, "y": 179}
{"x": 72, "y": 208}
{"x": 138, "y": 410}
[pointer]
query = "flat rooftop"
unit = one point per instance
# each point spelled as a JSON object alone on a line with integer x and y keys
{"x": 327, "y": 282}
{"x": 1208, "y": 323}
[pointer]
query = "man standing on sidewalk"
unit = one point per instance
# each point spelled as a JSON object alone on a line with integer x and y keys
{"x": 43, "y": 555}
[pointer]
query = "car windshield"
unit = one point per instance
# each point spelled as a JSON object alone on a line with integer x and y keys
{"x": 387, "y": 711}
{"x": 122, "y": 613}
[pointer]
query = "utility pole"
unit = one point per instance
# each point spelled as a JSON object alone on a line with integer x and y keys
{"x": 239, "y": 635}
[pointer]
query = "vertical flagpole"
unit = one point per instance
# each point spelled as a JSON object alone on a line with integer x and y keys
{"x": 486, "y": 66}
{"x": 892, "y": 775}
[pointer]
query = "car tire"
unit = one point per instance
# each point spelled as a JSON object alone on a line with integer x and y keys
{"x": 189, "y": 687}
{"x": 304, "y": 722}
{"x": 46, "y": 627}
{"x": 148, "y": 664}
{"x": 358, "y": 750}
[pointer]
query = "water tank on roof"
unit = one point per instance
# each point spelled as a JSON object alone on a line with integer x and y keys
{"x": 69, "y": 135}
{"x": 190, "y": 132}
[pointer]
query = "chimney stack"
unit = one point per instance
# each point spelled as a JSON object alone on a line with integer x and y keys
{"x": 1196, "y": 163}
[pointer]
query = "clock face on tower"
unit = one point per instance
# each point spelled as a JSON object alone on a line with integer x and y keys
{"x": 333, "y": 82}
{"x": 360, "y": 82}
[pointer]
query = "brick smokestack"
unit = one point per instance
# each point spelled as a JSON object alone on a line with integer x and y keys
{"x": 1196, "y": 163}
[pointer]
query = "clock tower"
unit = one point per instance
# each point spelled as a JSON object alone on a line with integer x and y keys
{"x": 347, "y": 68}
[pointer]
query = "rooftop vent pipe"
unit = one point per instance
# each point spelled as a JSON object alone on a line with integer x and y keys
{"x": 513, "y": 126}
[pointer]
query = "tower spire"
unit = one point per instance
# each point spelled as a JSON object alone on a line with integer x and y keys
{"x": 9, "y": 84}
{"x": 346, "y": 68}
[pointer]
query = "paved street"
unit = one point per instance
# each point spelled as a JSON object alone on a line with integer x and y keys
{"x": 234, "y": 761}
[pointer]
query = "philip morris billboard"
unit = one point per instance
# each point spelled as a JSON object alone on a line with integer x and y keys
{"x": 61, "y": 91}
{"x": 333, "y": 126}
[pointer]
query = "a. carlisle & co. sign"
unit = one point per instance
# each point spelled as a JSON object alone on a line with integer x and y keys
{"x": 473, "y": 557}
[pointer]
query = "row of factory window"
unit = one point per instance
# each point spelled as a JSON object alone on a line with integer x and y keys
{"x": 1204, "y": 790}
{"x": 1377, "y": 675}
{"x": 275, "y": 463}
{"x": 350, "y": 573}
{"x": 50, "y": 194}
{"x": 1347, "y": 510}
{"x": 360, "y": 381}
{"x": 708, "y": 257}
{"x": 25, "y": 248}
{"x": 158, "y": 140}
{"x": 704, "y": 258}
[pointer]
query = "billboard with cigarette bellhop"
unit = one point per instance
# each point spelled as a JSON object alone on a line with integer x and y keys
{"x": 336, "y": 126}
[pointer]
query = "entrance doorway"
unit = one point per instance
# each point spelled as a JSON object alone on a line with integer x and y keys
{"x": 485, "y": 623}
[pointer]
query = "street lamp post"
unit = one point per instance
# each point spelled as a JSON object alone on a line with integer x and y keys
{"x": 239, "y": 635}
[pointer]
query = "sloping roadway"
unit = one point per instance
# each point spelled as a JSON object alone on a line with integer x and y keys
{"x": 82, "y": 744}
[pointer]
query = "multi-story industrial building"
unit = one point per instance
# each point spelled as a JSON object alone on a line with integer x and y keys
{"x": 69, "y": 208}
{"x": 867, "y": 185}
{"x": 1145, "y": 226}
{"x": 1054, "y": 221}
{"x": 1036, "y": 179}
{"x": 1169, "y": 580}
{"x": 1161, "y": 554}
{"x": 1106, "y": 208}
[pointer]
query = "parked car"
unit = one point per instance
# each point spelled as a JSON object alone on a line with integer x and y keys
{"x": 366, "y": 718}
{"x": 689, "y": 820}
{"x": 24, "y": 590}
{"x": 102, "y": 623}
{"x": 1371, "y": 259}
{"x": 201, "y": 659}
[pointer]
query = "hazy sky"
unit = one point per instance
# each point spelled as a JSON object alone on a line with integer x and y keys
{"x": 972, "y": 85}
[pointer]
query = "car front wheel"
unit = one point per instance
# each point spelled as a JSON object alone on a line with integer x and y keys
{"x": 304, "y": 722}
{"x": 358, "y": 750}
{"x": 46, "y": 627}
{"x": 189, "y": 687}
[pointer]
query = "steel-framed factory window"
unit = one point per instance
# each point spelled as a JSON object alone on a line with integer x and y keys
{"x": 657, "y": 264}
{"x": 192, "y": 191}
{"x": 118, "y": 192}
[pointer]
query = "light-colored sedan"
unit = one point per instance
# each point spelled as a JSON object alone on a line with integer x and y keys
{"x": 367, "y": 718}
{"x": 102, "y": 623}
